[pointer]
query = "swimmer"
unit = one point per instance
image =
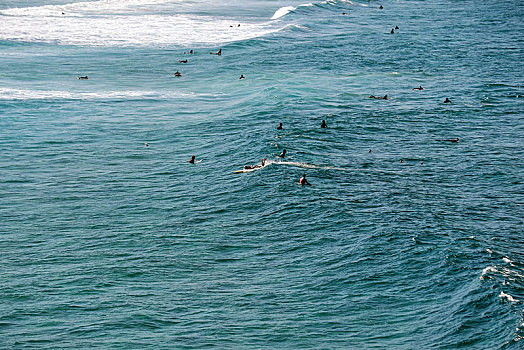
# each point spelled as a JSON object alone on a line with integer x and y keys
{"x": 303, "y": 180}
{"x": 192, "y": 160}
{"x": 421, "y": 163}
{"x": 392, "y": 31}
{"x": 323, "y": 125}
{"x": 402, "y": 161}
{"x": 190, "y": 52}
{"x": 182, "y": 61}
{"x": 448, "y": 140}
{"x": 344, "y": 13}
{"x": 147, "y": 144}
{"x": 283, "y": 154}
{"x": 238, "y": 25}
{"x": 396, "y": 27}
{"x": 370, "y": 151}
{"x": 242, "y": 77}
{"x": 218, "y": 53}
{"x": 83, "y": 78}
{"x": 380, "y": 8}
{"x": 178, "y": 74}
{"x": 447, "y": 100}
{"x": 419, "y": 88}
{"x": 280, "y": 127}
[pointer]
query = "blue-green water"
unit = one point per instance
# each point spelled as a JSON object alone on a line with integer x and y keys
{"x": 107, "y": 243}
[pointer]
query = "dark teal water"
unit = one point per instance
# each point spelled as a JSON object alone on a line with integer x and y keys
{"x": 107, "y": 243}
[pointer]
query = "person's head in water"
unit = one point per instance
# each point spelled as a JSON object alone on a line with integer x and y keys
{"x": 242, "y": 76}
{"x": 303, "y": 180}
{"x": 323, "y": 125}
{"x": 192, "y": 160}
{"x": 283, "y": 154}
{"x": 280, "y": 127}
{"x": 396, "y": 27}
{"x": 380, "y": 7}
{"x": 447, "y": 100}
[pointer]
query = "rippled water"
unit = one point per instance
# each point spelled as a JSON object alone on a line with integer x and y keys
{"x": 108, "y": 243}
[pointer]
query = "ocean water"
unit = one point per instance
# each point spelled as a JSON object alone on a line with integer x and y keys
{"x": 108, "y": 243}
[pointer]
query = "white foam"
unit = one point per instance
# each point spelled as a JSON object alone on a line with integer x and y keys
{"x": 26, "y": 94}
{"x": 507, "y": 297}
{"x": 281, "y": 12}
{"x": 123, "y": 23}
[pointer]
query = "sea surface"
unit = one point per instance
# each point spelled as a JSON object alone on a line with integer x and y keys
{"x": 110, "y": 239}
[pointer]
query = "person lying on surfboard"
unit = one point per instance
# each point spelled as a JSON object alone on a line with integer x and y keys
{"x": 251, "y": 167}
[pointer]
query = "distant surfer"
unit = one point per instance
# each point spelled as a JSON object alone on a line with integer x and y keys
{"x": 192, "y": 160}
{"x": 447, "y": 100}
{"x": 380, "y": 7}
{"x": 283, "y": 154}
{"x": 83, "y": 78}
{"x": 323, "y": 125}
{"x": 419, "y": 88}
{"x": 280, "y": 127}
{"x": 303, "y": 180}
{"x": 178, "y": 74}
{"x": 396, "y": 27}
{"x": 370, "y": 151}
{"x": 402, "y": 161}
{"x": 385, "y": 97}
{"x": 146, "y": 144}
{"x": 448, "y": 140}
{"x": 218, "y": 53}
{"x": 257, "y": 166}
{"x": 242, "y": 77}
{"x": 190, "y": 52}
{"x": 392, "y": 31}
{"x": 344, "y": 13}
{"x": 182, "y": 61}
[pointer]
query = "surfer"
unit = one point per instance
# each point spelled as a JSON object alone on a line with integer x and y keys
{"x": 448, "y": 140}
{"x": 182, "y": 61}
{"x": 83, "y": 78}
{"x": 379, "y": 98}
{"x": 257, "y": 166}
{"x": 370, "y": 151}
{"x": 147, "y": 144}
{"x": 283, "y": 154}
{"x": 396, "y": 27}
{"x": 178, "y": 74}
{"x": 323, "y": 125}
{"x": 190, "y": 52}
{"x": 402, "y": 161}
{"x": 380, "y": 7}
{"x": 303, "y": 180}
{"x": 280, "y": 127}
{"x": 419, "y": 88}
{"x": 242, "y": 77}
{"x": 218, "y": 53}
{"x": 392, "y": 31}
{"x": 447, "y": 100}
{"x": 192, "y": 160}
